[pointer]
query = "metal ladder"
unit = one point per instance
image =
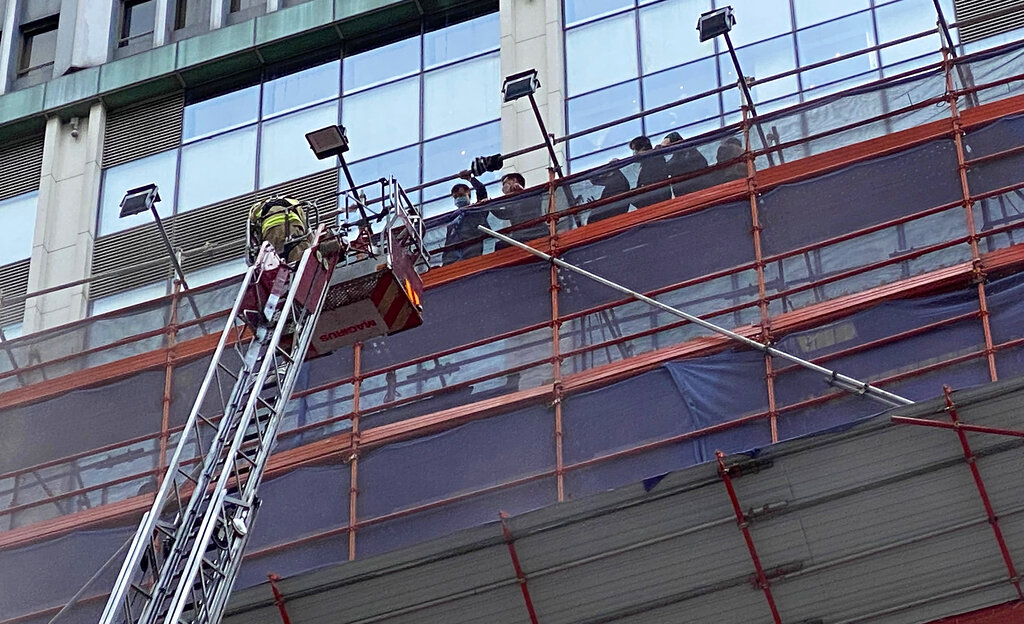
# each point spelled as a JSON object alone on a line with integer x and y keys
{"x": 188, "y": 548}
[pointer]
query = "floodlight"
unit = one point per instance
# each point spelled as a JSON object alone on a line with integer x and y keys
{"x": 520, "y": 85}
{"x": 715, "y": 23}
{"x": 139, "y": 200}
{"x": 525, "y": 84}
{"x": 327, "y": 142}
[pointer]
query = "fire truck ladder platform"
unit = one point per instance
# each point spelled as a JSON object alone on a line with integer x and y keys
{"x": 188, "y": 548}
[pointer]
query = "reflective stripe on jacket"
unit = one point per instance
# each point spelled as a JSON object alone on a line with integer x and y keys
{"x": 292, "y": 216}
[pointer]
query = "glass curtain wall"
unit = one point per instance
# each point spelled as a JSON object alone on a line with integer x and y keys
{"x": 628, "y": 56}
{"x": 420, "y": 109}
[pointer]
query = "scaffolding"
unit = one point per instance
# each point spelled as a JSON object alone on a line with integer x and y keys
{"x": 356, "y": 408}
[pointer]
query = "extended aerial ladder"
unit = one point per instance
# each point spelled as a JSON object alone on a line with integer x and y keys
{"x": 188, "y": 548}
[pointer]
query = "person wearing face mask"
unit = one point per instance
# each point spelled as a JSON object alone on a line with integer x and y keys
{"x": 529, "y": 207}
{"x": 464, "y": 226}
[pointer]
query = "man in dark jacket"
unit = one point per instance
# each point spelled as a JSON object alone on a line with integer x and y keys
{"x": 652, "y": 171}
{"x": 464, "y": 226}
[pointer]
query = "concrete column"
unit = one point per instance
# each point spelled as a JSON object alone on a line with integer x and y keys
{"x": 8, "y": 43}
{"x": 160, "y": 28}
{"x": 531, "y": 38}
{"x": 65, "y": 219}
{"x": 217, "y": 12}
{"x": 83, "y": 37}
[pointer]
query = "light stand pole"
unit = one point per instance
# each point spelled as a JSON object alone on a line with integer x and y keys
{"x": 720, "y": 22}
{"x": 332, "y": 141}
{"x": 525, "y": 84}
{"x": 141, "y": 199}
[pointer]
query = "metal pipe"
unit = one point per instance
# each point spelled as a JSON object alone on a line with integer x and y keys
{"x": 750, "y": 99}
{"x": 520, "y": 576}
{"x": 547, "y": 137}
{"x": 842, "y": 381}
{"x": 741, "y": 522}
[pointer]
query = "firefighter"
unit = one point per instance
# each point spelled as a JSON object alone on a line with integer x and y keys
{"x": 281, "y": 221}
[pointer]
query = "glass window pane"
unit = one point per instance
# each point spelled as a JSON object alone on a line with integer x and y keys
{"x": 221, "y": 113}
{"x": 284, "y": 152}
{"x": 160, "y": 169}
{"x": 662, "y": 45}
{"x": 900, "y": 19}
{"x": 601, "y": 54}
{"x": 40, "y": 49}
{"x": 577, "y": 10}
{"x": 382, "y": 119}
{"x": 381, "y": 64}
{"x": 675, "y": 84}
{"x": 14, "y": 330}
{"x": 809, "y": 12}
{"x": 451, "y": 154}
{"x": 305, "y": 87}
{"x": 601, "y": 158}
{"x": 18, "y": 215}
{"x": 833, "y": 39}
{"x": 128, "y": 298}
{"x": 139, "y": 19}
{"x": 461, "y": 95}
{"x": 403, "y": 164}
{"x": 756, "y": 20}
{"x": 762, "y": 60}
{"x": 594, "y": 109}
{"x": 215, "y": 273}
{"x": 461, "y": 40}
{"x": 217, "y": 169}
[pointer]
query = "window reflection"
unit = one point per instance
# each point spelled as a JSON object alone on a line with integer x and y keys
{"x": 461, "y": 40}
{"x": 160, "y": 169}
{"x": 757, "y": 20}
{"x": 577, "y": 10}
{"x": 596, "y": 108}
{"x": 217, "y": 168}
{"x": 834, "y": 39}
{"x": 18, "y": 215}
{"x": 404, "y": 164}
{"x": 383, "y": 118}
{"x": 900, "y": 19}
{"x": 284, "y": 152}
{"x": 381, "y": 64}
{"x": 461, "y": 95}
{"x": 762, "y": 60}
{"x": 810, "y": 12}
{"x": 305, "y": 87}
{"x": 453, "y": 153}
{"x": 221, "y": 113}
{"x": 662, "y": 44}
{"x": 600, "y": 54}
{"x": 675, "y": 84}
{"x": 128, "y": 298}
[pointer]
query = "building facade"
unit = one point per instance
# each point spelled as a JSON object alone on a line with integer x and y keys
{"x": 865, "y": 216}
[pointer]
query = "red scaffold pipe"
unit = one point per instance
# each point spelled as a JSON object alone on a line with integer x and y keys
{"x": 279, "y": 598}
{"x": 518, "y": 568}
{"x": 741, "y": 521}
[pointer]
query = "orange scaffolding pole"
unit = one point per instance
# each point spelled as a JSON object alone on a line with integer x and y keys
{"x": 958, "y": 134}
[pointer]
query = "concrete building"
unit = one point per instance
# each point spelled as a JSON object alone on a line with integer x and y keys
{"x": 866, "y": 216}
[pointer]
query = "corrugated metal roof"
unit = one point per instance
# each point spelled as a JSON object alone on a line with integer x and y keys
{"x": 878, "y": 522}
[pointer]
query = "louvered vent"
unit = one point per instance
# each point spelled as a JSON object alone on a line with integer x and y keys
{"x": 143, "y": 129}
{"x": 21, "y": 166}
{"x": 14, "y": 278}
{"x": 208, "y": 235}
{"x": 980, "y": 19}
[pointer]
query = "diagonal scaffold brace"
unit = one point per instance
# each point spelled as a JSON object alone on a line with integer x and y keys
{"x": 835, "y": 378}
